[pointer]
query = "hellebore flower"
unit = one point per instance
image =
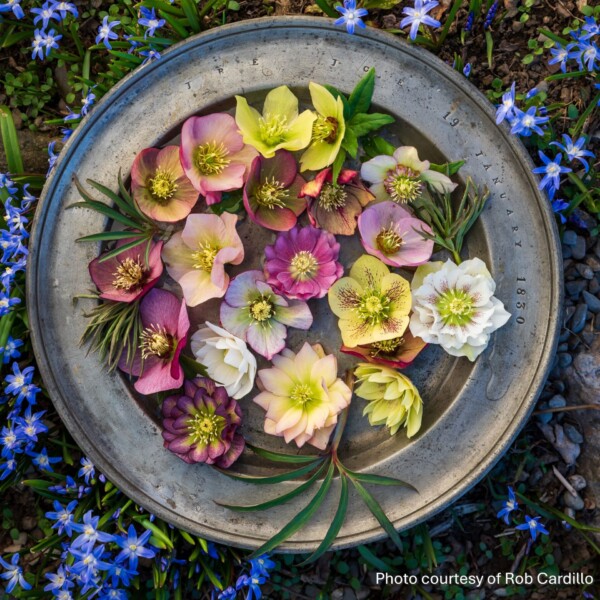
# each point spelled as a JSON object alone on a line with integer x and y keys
{"x": 393, "y": 398}
{"x": 254, "y": 312}
{"x": 391, "y": 233}
{"x": 327, "y": 131}
{"x": 454, "y": 306}
{"x": 271, "y": 192}
{"x": 302, "y": 263}
{"x": 335, "y": 206}
{"x": 372, "y": 303}
{"x": 302, "y": 396}
{"x": 127, "y": 277}
{"x": 227, "y": 359}
{"x": 197, "y": 255}
{"x": 397, "y": 353}
{"x": 164, "y": 335}
{"x": 159, "y": 186}
{"x": 201, "y": 424}
{"x": 279, "y": 128}
{"x": 400, "y": 177}
{"x": 213, "y": 153}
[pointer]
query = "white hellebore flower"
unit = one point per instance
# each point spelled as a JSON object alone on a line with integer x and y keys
{"x": 454, "y": 306}
{"x": 226, "y": 358}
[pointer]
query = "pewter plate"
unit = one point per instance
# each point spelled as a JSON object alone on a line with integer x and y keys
{"x": 472, "y": 411}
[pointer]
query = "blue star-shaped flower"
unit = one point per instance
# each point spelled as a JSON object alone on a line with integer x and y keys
{"x": 418, "y": 15}
{"x": 351, "y": 16}
{"x": 533, "y": 525}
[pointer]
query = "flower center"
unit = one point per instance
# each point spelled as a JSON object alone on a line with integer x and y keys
{"x": 456, "y": 307}
{"x": 204, "y": 257}
{"x": 162, "y": 186}
{"x": 374, "y": 308}
{"x": 133, "y": 547}
{"x": 403, "y": 184}
{"x": 302, "y": 394}
{"x": 332, "y": 196}
{"x": 386, "y": 346}
{"x": 129, "y": 275}
{"x": 206, "y": 427}
{"x": 155, "y": 341}
{"x": 388, "y": 241}
{"x": 210, "y": 158}
{"x": 261, "y": 310}
{"x": 271, "y": 194}
{"x": 272, "y": 129}
{"x": 303, "y": 266}
{"x": 325, "y": 129}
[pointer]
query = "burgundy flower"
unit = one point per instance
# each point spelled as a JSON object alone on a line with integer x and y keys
{"x": 201, "y": 425}
{"x": 127, "y": 277}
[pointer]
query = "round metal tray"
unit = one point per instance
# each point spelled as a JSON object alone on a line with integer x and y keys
{"x": 472, "y": 411}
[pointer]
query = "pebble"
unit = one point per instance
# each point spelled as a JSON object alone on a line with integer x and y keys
{"x": 573, "y": 434}
{"x": 544, "y": 418}
{"x": 569, "y": 237}
{"x": 567, "y": 252}
{"x": 563, "y": 348}
{"x": 559, "y": 386}
{"x": 592, "y": 302}
{"x": 563, "y": 445}
{"x": 570, "y": 512}
{"x": 578, "y": 321}
{"x": 594, "y": 286}
{"x": 557, "y": 401}
{"x": 585, "y": 271}
{"x": 574, "y": 502}
{"x": 592, "y": 262}
{"x": 564, "y": 360}
{"x": 577, "y": 481}
{"x": 579, "y": 248}
{"x": 574, "y": 288}
{"x": 569, "y": 312}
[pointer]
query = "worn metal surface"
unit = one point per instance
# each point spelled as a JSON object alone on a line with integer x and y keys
{"x": 472, "y": 412}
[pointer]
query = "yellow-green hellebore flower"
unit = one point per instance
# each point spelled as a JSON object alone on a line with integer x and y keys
{"x": 372, "y": 303}
{"x": 327, "y": 131}
{"x": 279, "y": 127}
{"x": 393, "y": 399}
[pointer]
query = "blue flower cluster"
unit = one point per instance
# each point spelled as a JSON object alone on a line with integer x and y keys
{"x": 250, "y": 583}
{"x": 583, "y": 53}
{"x": 44, "y": 40}
{"x": 532, "y": 524}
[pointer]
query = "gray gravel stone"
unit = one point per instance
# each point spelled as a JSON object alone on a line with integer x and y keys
{"x": 592, "y": 302}
{"x": 563, "y": 348}
{"x": 569, "y": 312}
{"x": 574, "y": 502}
{"x": 594, "y": 286}
{"x": 577, "y": 481}
{"x": 564, "y": 360}
{"x": 574, "y": 288}
{"x": 585, "y": 271}
{"x": 578, "y": 321}
{"x": 567, "y": 251}
{"x": 557, "y": 401}
{"x": 573, "y": 434}
{"x": 569, "y": 237}
{"x": 579, "y": 248}
{"x": 592, "y": 262}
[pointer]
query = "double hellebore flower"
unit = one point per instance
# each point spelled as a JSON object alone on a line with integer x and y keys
{"x": 335, "y": 206}
{"x": 159, "y": 186}
{"x": 400, "y": 177}
{"x": 391, "y": 233}
{"x": 271, "y": 194}
{"x": 126, "y": 277}
{"x": 454, "y": 306}
{"x": 201, "y": 424}
{"x": 227, "y": 359}
{"x": 213, "y": 154}
{"x": 279, "y": 128}
{"x": 302, "y": 396}
{"x": 393, "y": 398}
{"x": 254, "y": 312}
{"x": 372, "y": 303}
{"x": 197, "y": 255}
{"x": 302, "y": 263}
{"x": 327, "y": 131}
{"x": 164, "y": 335}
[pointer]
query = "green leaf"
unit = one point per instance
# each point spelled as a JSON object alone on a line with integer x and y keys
{"x": 380, "y": 4}
{"x": 552, "y": 36}
{"x": 10, "y": 141}
{"x": 285, "y": 458}
{"x": 119, "y": 250}
{"x": 380, "y": 480}
{"x": 125, "y": 206}
{"x": 489, "y": 42}
{"x": 350, "y": 143}
{"x": 231, "y": 202}
{"x": 361, "y": 96}
{"x": 326, "y": 7}
{"x": 338, "y": 163}
{"x": 449, "y": 20}
{"x": 363, "y": 123}
{"x": 289, "y": 475}
{"x": 107, "y": 236}
{"x": 376, "y": 146}
{"x": 375, "y": 562}
{"x": 190, "y": 10}
{"x": 448, "y": 168}
{"x": 300, "y": 519}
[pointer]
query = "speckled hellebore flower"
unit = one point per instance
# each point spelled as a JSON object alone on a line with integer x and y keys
{"x": 159, "y": 186}
{"x": 336, "y": 206}
{"x": 389, "y": 232}
{"x": 197, "y": 255}
{"x": 302, "y": 396}
{"x": 254, "y": 312}
{"x": 280, "y": 127}
{"x": 213, "y": 154}
{"x": 372, "y": 304}
{"x": 201, "y": 424}
{"x": 302, "y": 263}
{"x": 126, "y": 277}
{"x": 400, "y": 177}
{"x": 454, "y": 306}
{"x": 327, "y": 131}
{"x": 271, "y": 192}
{"x": 394, "y": 401}
{"x": 165, "y": 326}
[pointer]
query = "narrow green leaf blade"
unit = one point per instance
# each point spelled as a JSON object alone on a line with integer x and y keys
{"x": 190, "y": 10}
{"x": 285, "y": 458}
{"x": 288, "y": 476}
{"x": 381, "y": 480}
{"x": 10, "y": 141}
{"x": 109, "y": 236}
{"x": 374, "y": 561}
{"x": 119, "y": 250}
{"x": 122, "y": 204}
{"x": 360, "y": 98}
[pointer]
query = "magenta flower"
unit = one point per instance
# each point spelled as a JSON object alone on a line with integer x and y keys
{"x": 272, "y": 190}
{"x": 201, "y": 425}
{"x": 213, "y": 154}
{"x": 335, "y": 206}
{"x": 159, "y": 186}
{"x": 391, "y": 233}
{"x": 302, "y": 263}
{"x": 255, "y": 313}
{"x": 127, "y": 277}
{"x": 165, "y": 326}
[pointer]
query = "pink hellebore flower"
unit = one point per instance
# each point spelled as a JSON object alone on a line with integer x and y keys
{"x": 196, "y": 256}
{"x": 302, "y": 263}
{"x": 159, "y": 186}
{"x": 165, "y": 326}
{"x": 127, "y": 277}
{"x": 213, "y": 154}
{"x": 391, "y": 233}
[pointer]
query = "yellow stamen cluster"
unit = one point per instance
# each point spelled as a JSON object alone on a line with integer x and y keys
{"x": 456, "y": 307}
{"x": 325, "y": 129}
{"x": 271, "y": 194}
{"x": 155, "y": 341}
{"x": 388, "y": 241}
{"x": 206, "y": 427}
{"x": 332, "y": 196}
{"x": 272, "y": 129}
{"x": 303, "y": 266}
{"x": 204, "y": 257}
{"x": 162, "y": 186}
{"x": 129, "y": 275}
{"x": 211, "y": 158}
{"x": 403, "y": 184}
{"x": 261, "y": 310}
